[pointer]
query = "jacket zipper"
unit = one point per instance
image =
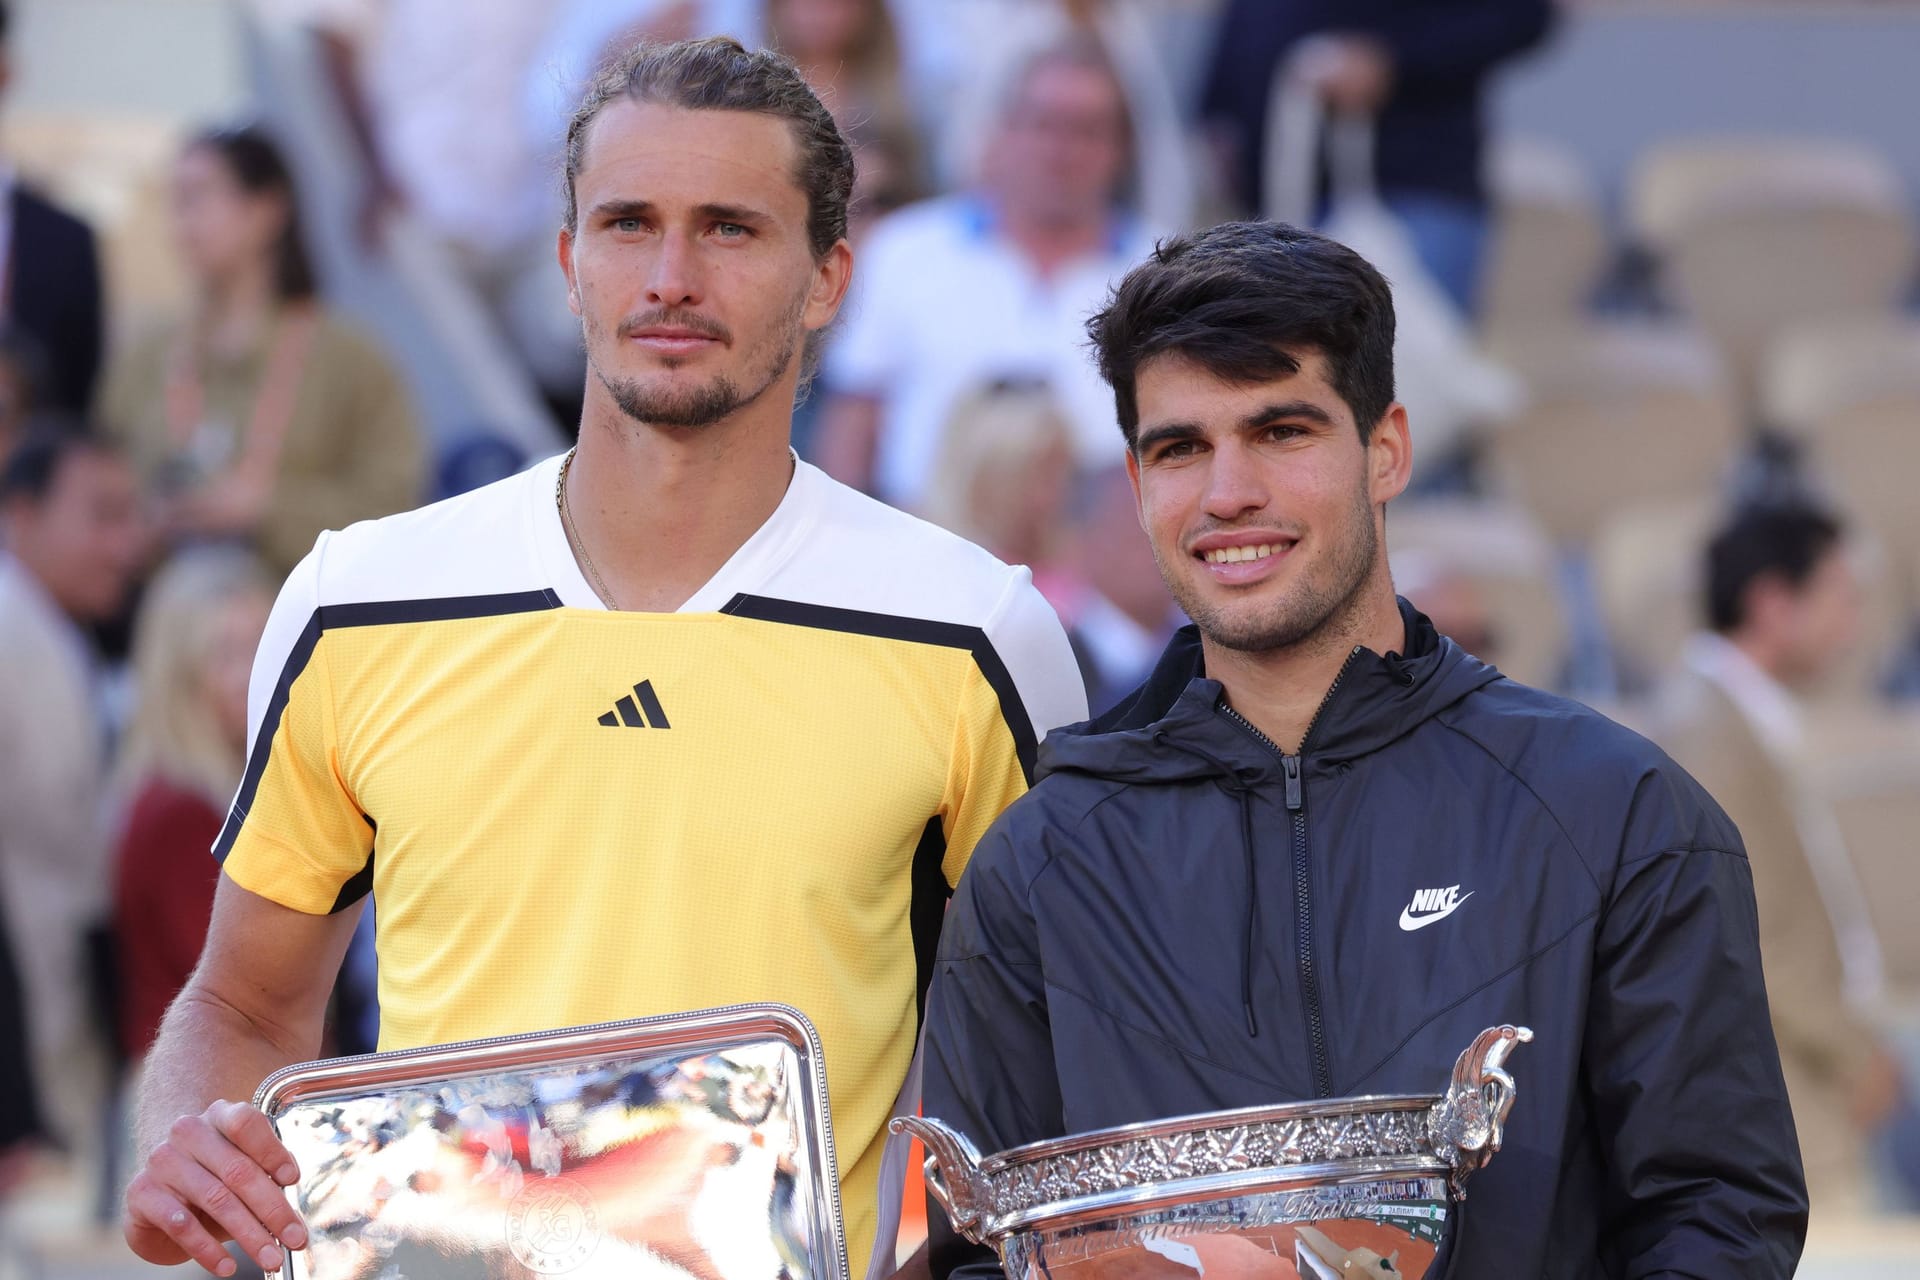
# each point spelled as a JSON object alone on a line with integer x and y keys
{"x": 1302, "y": 878}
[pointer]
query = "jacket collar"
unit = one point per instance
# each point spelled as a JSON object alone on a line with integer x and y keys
{"x": 1377, "y": 699}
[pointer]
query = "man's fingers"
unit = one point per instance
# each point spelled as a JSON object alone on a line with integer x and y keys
{"x": 209, "y": 1187}
{"x": 160, "y": 1227}
{"x": 246, "y": 1128}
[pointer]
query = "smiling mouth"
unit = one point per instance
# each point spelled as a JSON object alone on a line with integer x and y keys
{"x": 1235, "y": 555}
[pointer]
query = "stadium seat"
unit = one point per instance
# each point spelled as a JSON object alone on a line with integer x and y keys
{"x": 1549, "y": 244}
{"x": 1754, "y": 236}
{"x": 1617, "y": 415}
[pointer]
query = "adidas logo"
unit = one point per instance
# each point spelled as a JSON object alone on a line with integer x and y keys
{"x": 626, "y": 713}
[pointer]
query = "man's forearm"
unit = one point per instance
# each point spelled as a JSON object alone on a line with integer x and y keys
{"x": 208, "y": 1051}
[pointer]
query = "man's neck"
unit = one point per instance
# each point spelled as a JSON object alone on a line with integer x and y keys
{"x": 1763, "y": 655}
{"x": 659, "y": 511}
{"x": 1052, "y": 243}
{"x": 1280, "y": 691}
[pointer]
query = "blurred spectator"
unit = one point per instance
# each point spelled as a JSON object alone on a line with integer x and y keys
{"x": 70, "y": 518}
{"x": 1119, "y": 615}
{"x": 261, "y": 416}
{"x": 990, "y": 285}
{"x": 982, "y": 41}
{"x": 433, "y": 97}
{"x": 849, "y": 52}
{"x": 1783, "y": 606}
{"x": 49, "y": 277}
{"x": 179, "y": 765}
{"x": 1001, "y": 479}
{"x": 1420, "y": 67}
{"x": 1452, "y": 601}
{"x": 20, "y": 1122}
{"x": 23, "y": 374}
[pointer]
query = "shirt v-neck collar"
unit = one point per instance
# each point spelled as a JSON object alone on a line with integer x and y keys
{"x": 747, "y": 570}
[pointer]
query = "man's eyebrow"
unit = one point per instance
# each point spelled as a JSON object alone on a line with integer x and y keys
{"x": 1288, "y": 409}
{"x": 621, "y": 208}
{"x": 732, "y": 213}
{"x": 1163, "y": 432}
{"x": 711, "y": 212}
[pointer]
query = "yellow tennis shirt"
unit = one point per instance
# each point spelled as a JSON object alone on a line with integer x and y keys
{"x": 568, "y": 816}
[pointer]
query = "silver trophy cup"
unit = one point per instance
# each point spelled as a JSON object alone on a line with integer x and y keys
{"x": 1346, "y": 1188}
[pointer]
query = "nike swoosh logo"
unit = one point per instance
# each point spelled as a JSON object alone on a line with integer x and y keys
{"x": 1410, "y": 922}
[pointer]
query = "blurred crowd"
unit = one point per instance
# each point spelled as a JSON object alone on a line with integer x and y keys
{"x": 1663, "y": 458}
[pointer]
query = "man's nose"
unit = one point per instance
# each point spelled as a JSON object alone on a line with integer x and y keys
{"x": 674, "y": 280}
{"x": 1235, "y": 482}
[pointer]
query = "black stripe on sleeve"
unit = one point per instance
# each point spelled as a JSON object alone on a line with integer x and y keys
{"x": 927, "y": 907}
{"x": 886, "y": 626}
{"x": 329, "y": 617}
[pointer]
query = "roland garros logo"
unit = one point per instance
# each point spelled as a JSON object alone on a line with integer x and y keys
{"x": 552, "y": 1226}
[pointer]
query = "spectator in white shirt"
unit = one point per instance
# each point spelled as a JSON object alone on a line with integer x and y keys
{"x": 994, "y": 284}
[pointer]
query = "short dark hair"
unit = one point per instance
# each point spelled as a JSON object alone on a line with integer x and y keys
{"x": 260, "y": 168}
{"x": 30, "y": 471}
{"x": 719, "y": 74}
{"x": 1242, "y": 300}
{"x": 1782, "y": 539}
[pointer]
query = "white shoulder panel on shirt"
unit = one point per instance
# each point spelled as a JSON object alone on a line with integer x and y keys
{"x": 859, "y": 553}
{"x": 477, "y": 543}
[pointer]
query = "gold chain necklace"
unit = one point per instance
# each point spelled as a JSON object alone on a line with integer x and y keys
{"x": 572, "y": 531}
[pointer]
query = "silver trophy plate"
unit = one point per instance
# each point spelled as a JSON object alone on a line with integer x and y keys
{"x": 696, "y": 1146}
{"x": 1341, "y": 1189}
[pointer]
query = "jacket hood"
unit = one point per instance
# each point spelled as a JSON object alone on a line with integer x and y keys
{"x": 1377, "y": 699}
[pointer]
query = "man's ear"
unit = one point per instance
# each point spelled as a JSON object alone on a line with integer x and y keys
{"x": 1133, "y": 478}
{"x": 831, "y": 277}
{"x": 1389, "y": 456}
{"x": 564, "y": 249}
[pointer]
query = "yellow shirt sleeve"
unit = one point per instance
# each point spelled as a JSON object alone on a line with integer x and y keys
{"x": 295, "y": 834}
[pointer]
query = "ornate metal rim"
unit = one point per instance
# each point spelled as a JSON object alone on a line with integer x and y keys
{"x": 1081, "y": 1210}
{"x": 1171, "y": 1159}
{"x": 1205, "y": 1122}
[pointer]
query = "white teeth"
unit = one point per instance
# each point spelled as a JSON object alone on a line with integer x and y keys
{"x": 1232, "y": 555}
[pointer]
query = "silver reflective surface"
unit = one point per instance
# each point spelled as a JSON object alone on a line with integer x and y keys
{"x": 1344, "y": 1187}
{"x": 695, "y": 1147}
{"x": 1375, "y": 1230}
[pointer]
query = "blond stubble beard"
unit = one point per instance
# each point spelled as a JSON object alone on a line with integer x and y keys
{"x": 711, "y": 402}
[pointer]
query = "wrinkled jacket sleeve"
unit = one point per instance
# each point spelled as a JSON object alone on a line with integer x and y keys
{"x": 1688, "y": 1100}
{"x": 989, "y": 1066}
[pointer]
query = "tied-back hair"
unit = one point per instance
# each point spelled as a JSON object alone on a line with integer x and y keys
{"x": 258, "y": 166}
{"x": 173, "y": 734}
{"x": 720, "y": 74}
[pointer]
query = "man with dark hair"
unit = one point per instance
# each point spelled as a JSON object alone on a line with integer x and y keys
{"x": 71, "y": 542}
{"x": 1322, "y": 847}
{"x": 1783, "y": 609}
{"x": 650, "y": 703}
{"x": 50, "y": 267}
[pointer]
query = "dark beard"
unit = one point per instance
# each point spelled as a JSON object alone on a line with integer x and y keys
{"x": 1310, "y": 611}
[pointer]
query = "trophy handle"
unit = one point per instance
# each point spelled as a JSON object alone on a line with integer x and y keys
{"x": 952, "y": 1172}
{"x": 1467, "y": 1124}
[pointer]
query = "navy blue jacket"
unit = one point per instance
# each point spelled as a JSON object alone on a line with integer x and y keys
{"x": 1178, "y": 918}
{"x": 1430, "y": 132}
